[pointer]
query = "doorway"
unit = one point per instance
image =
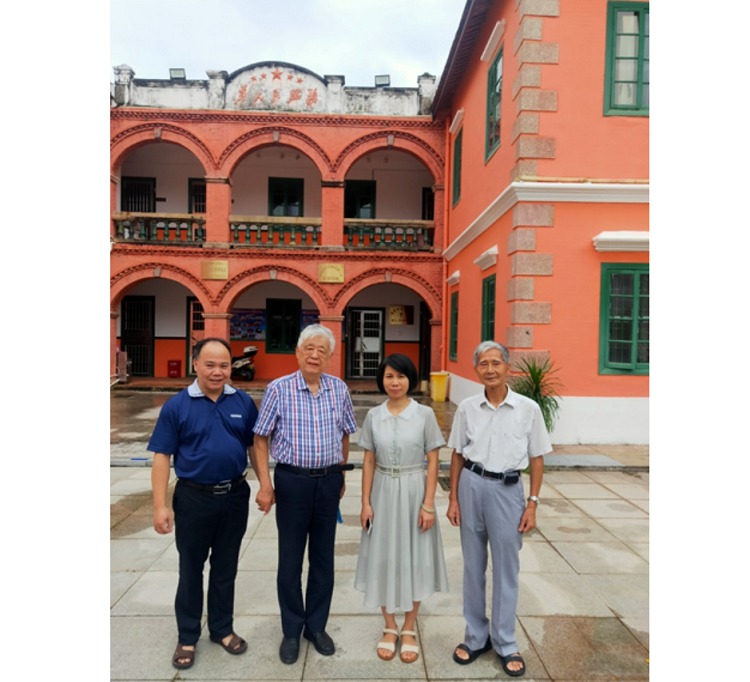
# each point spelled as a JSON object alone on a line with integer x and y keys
{"x": 366, "y": 341}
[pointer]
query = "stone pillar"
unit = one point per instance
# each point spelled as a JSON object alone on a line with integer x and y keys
{"x": 335, "y": 324}
{"x": 335, "y": 94}
{"x": 113, "y": 341}
{"x": 332, "y": 213}
{"x": 114, "y": 183}
{"x": 217, "y": 89}
{"x": 427, "y": 89}
{"x": 217, "y": 324}
{"x": 439, "y": 217}
{"x": 218, "y": 208}
{"x": 123, "y": 84}
{"x": 436, "y": 345}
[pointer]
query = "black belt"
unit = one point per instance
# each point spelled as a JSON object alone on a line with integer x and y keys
{"x": 315, "y": 473}
{"x": 477, "y": 469}
{"x": 220, "y": 488}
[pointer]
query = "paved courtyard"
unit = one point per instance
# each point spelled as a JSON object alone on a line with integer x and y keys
{"x": 582, "y": 612}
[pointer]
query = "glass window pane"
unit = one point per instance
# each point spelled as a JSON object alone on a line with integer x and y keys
{"x": 625, "y": 94}
{"x": 620, "y": 330}
{"x": 644, "y": 285}
{"x": 645, "y": 94}
{"x": 645, "y": 48}
{"x": 643, "y": 352}
{"x": 627, "y": 46}
{"x": 643, "y": 330}
{"x": 621, "y": 283}
{"x": 620, "y": 352}
{"x": 645, "y": 72}
{"x": 626, "y": 70}
{"x": 643, "y": 306}
{"x": 627, "y": 22}
{"x": 645, "y": 24}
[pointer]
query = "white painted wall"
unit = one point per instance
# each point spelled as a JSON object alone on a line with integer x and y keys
{"x": 256, "y": 295}
{"x": 400, "y": 179}
{"x": 172, "y": 166}
{"x": 383, "y": 295}
{"x": 170, "y": 306}
{"x": 595, "y": 420}
{"x": 250, "y": 180}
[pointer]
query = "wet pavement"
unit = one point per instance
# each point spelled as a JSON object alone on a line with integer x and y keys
{"x": 584, "y": 591}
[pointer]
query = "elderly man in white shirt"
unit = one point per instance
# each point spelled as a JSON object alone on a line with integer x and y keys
{"x": 495, "y": 436}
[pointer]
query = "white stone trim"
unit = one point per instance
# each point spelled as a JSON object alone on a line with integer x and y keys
{"x": 457, "y": 119}
{"x": 488, "y": 258}
{"x": 494, "y": 41}
{"x": 622, "y": 240}
{"x": 454, "y": 279}
{"x": 579, "y": 192}
{"x": 595, "y": 420}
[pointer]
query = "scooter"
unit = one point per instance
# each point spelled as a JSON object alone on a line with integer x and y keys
{"x": 243, "y": 367}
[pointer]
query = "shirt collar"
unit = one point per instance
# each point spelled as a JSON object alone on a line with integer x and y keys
{"x": 511, "y": 399}
{"x": 407, "y": 413}
{"x": 194, "y": 390}
{"x": 301, "y": 384}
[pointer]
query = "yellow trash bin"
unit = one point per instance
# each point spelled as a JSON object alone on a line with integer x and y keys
{"x": 438, "y": 386}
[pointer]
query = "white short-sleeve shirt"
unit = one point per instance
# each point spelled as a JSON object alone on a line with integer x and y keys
{"x": 503, "y": 438}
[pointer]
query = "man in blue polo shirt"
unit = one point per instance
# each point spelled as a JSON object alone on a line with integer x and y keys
{"x": 208, "y": 428}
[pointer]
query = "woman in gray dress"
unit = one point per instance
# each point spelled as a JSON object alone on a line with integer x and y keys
{"x": 401, "y": 560}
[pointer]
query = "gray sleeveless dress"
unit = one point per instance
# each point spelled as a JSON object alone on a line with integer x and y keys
{"x": 397, "y": 563}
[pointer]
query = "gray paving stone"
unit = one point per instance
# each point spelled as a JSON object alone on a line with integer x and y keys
{"x": 587, "y": 648}
{"x": 541, "y": 557}
{"x": 615, "y": 509}
{"x": 625, "y": 595}
{"x": 584, "y": 491}
{"x": 557, "y": 509}
{"x": 142, "y": 648}
{"x": 573, "y": 530}
{"x": 580, "y": 461}
{"x": 152, "y": 595}
{"x": 135, "y": 554}
{"x": 601, "y": 557}
{"x": 641, "y": 548}
{"x": 129, "y": 486}
{"x": 554, "y": 478}
{"x": 606, "y": 477}
{"x": 255, "y": 594}
{"x": 261, "y": 554}
{"x": 120, "y": 583}
{"x": 642, "y": 504}
{"x": 640, "y": 628}
{"x": 629, "y": 491}
{"x": 627, "y": 530}
{"x": 558, "y": 594}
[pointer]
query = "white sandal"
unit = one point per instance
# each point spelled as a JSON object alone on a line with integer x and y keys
{"x": 409, "y": 648}
{"x": 388, "y": 646}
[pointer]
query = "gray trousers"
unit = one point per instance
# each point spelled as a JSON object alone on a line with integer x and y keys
{"x": 490, "y": 513}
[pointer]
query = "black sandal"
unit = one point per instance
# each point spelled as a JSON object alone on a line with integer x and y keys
{"x": 473, "y": 653}
{"x": 513, "y": 657}
{"x": 181, "y": 653}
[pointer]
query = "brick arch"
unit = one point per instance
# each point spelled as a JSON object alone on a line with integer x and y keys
{"x": 126, "y": 142}
{"x": 231, "y": 291}
{"x": 125, "y": 280}
{"x": 405, "y": 142}
{"x": 251, "y": 141}
{"x": 431, "y": 296}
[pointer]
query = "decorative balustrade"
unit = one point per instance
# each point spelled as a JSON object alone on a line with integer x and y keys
{"x": 389, "y": 234}
{"x": 272, "y": 231}
{"x": 162, "y": 228}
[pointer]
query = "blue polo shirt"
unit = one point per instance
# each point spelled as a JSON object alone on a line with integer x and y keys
{"x": 208, "y": 439}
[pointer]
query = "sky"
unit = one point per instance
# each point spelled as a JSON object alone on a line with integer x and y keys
{"x": 358, "y": 39}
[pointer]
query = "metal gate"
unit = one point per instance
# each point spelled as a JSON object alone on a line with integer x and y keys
{"x": 137, "y": 333}
{"x": 367, "y": 335}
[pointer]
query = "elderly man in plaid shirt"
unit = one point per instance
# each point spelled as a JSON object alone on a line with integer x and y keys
{"x": 308, "y": 417}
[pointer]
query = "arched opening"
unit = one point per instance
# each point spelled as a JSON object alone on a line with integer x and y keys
{"x": 159, "y": 322}
{"x": 383, "y": 319}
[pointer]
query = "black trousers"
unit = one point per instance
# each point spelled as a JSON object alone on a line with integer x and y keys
{"x": 306, "y": 511}
{"x": 206, "y": 522}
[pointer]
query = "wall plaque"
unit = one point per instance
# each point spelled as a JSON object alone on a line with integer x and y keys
{"x": 331, "y": 273}
{"x": 215, "y": 269}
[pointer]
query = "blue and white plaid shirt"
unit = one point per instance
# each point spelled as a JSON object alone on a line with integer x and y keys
{"x": 306, "y": 430}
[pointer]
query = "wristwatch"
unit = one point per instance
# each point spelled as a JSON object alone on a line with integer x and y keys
{"x": 533, "y": 498}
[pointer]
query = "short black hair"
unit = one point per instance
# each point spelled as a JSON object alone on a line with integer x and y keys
{"x": 198, "y": 347}
{"x": 403, "y": 365}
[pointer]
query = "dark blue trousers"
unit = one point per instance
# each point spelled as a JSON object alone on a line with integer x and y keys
{"x": 306, "y": 512}
{"x": 206, "y": 522}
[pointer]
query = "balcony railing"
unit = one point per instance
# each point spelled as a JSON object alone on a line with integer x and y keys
{"x": 389, "y": 234}
{"x": 162, "y": 228}
{"x": 273, "y": 231}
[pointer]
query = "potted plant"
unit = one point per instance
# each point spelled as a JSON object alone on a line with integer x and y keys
{"x": 537, "y": 382}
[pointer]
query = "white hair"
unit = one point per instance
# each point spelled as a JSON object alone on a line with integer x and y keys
{"x": 491, "y": 345}
{"x": 317, "y": 330}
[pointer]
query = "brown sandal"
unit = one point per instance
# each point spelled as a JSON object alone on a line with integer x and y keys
{"x": 180, "y": 653}
{"x": 236, "y": 645}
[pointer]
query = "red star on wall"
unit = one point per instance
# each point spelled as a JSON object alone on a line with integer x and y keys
{"x": 277, "y": 74}
{"x": 289, "y": 76}
{"x": 299, "y": 80}
{"x": 263, "y": 76}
